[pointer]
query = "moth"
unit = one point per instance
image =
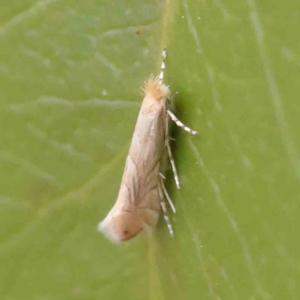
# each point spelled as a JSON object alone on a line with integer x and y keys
{"x": 142, "y": 192}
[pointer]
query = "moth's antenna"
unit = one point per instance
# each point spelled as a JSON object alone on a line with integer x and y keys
{"x": 163, "y": 65}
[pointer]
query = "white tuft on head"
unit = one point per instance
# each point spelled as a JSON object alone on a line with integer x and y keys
{"x": 156, "y": 89}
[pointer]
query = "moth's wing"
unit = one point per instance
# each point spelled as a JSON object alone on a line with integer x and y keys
{"x": 144, "y": 159}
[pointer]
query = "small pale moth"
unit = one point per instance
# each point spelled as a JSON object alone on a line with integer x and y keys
{"x": 142, "y": 192}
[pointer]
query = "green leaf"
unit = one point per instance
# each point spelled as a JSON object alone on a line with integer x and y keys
{"x": 70, "y": 73}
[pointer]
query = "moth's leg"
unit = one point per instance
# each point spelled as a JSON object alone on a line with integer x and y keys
{"x": 162, "y": 175}
{"x": 167, "y": 218}
{"x": 180, "y": 124}
{"x": 172, "y": 161}
{"x": 164, "y": 209}
{"x": 166, "y": 194}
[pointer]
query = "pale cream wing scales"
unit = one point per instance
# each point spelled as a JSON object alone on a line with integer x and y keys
{"x": 143, "y": 161}
{"x": 138, "y": 202}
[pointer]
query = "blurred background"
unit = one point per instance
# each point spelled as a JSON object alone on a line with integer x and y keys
{"x": 70, "y": 78}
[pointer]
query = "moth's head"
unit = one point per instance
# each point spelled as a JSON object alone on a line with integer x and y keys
{"x": 123, "y": 226}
